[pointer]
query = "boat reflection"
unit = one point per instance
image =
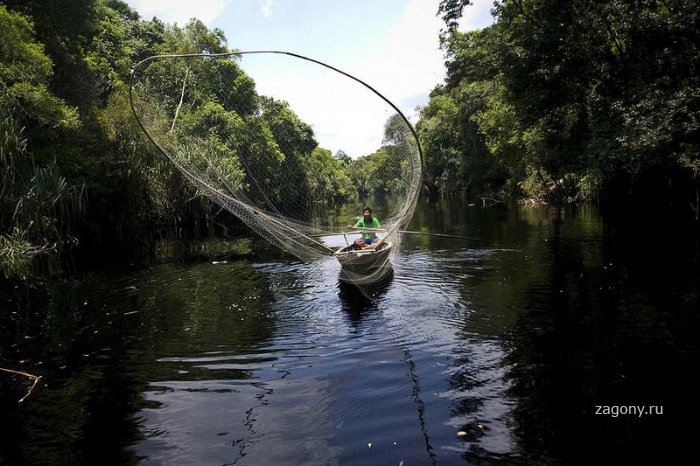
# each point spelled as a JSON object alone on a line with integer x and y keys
{"x": 357, "y": 298}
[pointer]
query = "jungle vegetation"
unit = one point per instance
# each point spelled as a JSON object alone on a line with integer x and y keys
{"x": 580, "y": 101}
{"x": 570, "y": 101}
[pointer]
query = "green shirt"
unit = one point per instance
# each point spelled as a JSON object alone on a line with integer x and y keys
{"x": 368, "y": 235}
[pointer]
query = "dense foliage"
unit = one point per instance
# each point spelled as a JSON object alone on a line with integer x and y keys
{"x": 564, "y": 101}
{"x": 557, "y": 101}
{"x": 75, "y": 165}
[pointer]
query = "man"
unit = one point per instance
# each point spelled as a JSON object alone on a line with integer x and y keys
{"x": 369, "y": 238}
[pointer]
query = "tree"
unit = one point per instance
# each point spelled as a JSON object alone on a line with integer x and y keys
{"x": 458, "y": 157}
{"x": 37, "y": 203}
{"x": 451, "y": 11}
{"x": 25, "y": 73}
{"x": 328, "y": 181}
{"x": 341, "y": 156}
{"x": 296, "y": 141}
{"x": 387, "y": 172}
{"x": 585, "y": 98}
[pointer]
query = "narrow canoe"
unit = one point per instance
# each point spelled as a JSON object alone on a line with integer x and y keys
{"x": 364, "y": 265}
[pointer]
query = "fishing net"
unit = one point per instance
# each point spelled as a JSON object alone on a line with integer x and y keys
{"x": 293, "y": 147}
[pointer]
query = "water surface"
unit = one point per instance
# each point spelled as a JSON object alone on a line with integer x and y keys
{"x": 515, "y": 337}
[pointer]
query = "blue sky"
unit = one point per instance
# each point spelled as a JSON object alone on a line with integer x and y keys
{"x": 390, "y": 44}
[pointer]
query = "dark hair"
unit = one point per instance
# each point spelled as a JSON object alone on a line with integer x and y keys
{"x": 367, "y": 208}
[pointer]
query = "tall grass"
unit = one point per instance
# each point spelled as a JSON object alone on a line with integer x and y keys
{"x": 38, "y": 207}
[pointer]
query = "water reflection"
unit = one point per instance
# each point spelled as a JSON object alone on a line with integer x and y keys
{"x": 462, "y": 372}
{"x": 326, "y": 384}
{"x": 262, "y": 360}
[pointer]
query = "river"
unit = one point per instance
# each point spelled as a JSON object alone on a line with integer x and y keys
{"x": 544, "y": 336}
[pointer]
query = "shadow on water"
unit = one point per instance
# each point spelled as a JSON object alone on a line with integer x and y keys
{"x": 606, "y": 329}
{"x": 355, "y": 301}
{"x": 102, "y": 343}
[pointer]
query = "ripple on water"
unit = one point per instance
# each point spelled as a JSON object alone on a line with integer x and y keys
{"x": 325, "y": 383}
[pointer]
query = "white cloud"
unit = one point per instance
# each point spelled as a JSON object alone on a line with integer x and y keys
{"x": 476, "y": 16}
{"x": 266, "y": 7}
{"x": 409, "y": 62}
{"x": 343, "y": 113}
{"x": 179, "y": 11}
{"x": 404, "y": 68}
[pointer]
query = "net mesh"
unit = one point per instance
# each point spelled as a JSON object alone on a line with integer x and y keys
{"x": 268, "y": 158}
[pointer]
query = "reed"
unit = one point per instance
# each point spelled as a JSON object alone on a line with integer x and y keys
{"x": 38, "y": 206}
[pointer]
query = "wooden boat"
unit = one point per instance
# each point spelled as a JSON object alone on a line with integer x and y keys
{"x": 364, "y": 265}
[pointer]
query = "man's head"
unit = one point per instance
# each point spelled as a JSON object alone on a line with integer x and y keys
{"x": 367, "y": 212}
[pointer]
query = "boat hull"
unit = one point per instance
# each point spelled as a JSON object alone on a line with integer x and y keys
{"x": 364, "y": 266}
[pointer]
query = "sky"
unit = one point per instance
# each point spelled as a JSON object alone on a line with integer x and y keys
{"x": 392, "y": 45}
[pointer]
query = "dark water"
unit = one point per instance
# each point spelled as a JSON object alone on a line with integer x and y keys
{"x": 517, "y": 338}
